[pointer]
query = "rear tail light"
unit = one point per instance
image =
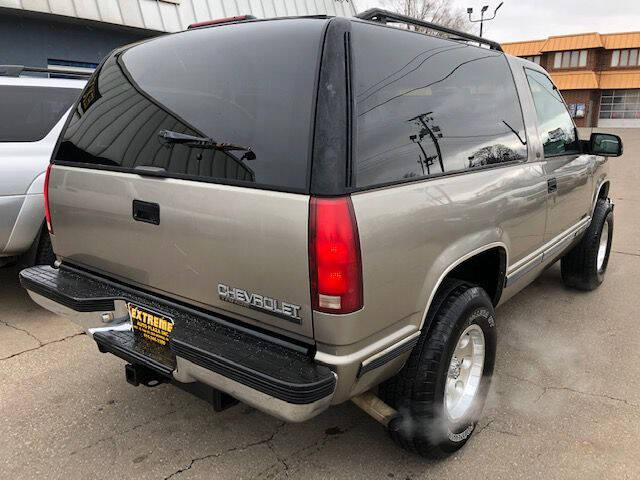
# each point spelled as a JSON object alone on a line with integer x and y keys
{"x": 47, "y": 212}
{"x": 334, "y": 256}
{"x": 238, "y": 18}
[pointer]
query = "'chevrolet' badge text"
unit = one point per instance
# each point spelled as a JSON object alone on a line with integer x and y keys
{"x": 288, "y": 311}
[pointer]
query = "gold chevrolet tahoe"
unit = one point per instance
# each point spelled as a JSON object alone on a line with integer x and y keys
{"x": 298, "y": 212}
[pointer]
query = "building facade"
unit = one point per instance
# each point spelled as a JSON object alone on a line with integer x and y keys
{"x": 598, "y": 74}
{"x": 80, "y": 33}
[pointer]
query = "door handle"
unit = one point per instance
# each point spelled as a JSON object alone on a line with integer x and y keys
{"x": 552, "y": 185}
{"x": 146, "y": 212}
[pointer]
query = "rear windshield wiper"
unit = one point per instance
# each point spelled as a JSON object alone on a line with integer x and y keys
{"x": 169, "y": 137}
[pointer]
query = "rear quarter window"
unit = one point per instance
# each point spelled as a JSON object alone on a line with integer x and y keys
{"x": 28, "y": 114}
{"x": 248, "y": 85}
{"x": 428, "y": 106}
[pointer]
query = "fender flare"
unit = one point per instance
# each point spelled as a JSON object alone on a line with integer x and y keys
{"x": 604, "y": 185}
{"x": 460, "y": 260}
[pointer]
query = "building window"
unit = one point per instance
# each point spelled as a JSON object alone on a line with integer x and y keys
{"x": 624, "y": 58}
{"x": 583, "y": 58}
{"x": 619, "y": 104}
{"x": 534, "y": 59}
{"x": 570, "y": 59}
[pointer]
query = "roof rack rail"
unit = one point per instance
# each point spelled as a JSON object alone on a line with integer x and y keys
{"x": 384, "y": 16}
{"x": 17, "y": 70}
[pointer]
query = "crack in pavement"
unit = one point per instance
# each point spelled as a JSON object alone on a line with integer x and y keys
{"x": 280, "y": 459}
{"x": 589, "y": 394}
{"x": 23, "y": 330}
{"x": 545, "y": 389}
{"x": 484, "y": 427}
{"x": 123, "y": 432}
{"x": 506, "y": 432}
{"x": 316, "y": 446}
{"x": 42, "y": 345}
{"x": 230, "y": 450}
{"x": 488, "y": 426}
{"x": 627, "y": 253}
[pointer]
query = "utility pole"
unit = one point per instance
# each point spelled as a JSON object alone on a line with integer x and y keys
{"x": 482, "y": 19}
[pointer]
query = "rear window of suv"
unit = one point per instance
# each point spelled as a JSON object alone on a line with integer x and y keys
{"x": 29, "y": 113}
{"x": 428, "y": 106}
{"x": 247, "y": 88}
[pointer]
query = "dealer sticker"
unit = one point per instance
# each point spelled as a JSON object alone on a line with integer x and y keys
{"x": 151, "y": 325}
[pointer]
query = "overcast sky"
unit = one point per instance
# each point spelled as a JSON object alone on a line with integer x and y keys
{"x": 533, "y": 19}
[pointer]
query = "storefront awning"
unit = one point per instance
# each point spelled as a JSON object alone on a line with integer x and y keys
{"x": 619, "y": 80}
{"x": 572, "y": 42}
{"x": 591, "y": 80}
{"x": 576, "y": 80}
{"x": 523, "y": 49}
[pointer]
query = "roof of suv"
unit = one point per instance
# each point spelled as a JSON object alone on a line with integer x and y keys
{"x": 374, "y": 16}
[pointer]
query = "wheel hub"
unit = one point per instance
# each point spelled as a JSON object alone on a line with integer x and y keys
{"x": 465, "y": 373}
{"x": 455, "y": 368}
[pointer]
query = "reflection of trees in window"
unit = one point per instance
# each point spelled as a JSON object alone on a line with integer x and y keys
{"x": 493, "y": 154}
{"x": 431, "y": 133}
{"x": 414, "y": 120}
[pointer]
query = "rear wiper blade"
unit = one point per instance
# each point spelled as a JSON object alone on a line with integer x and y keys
{"x": 169, "y": 137}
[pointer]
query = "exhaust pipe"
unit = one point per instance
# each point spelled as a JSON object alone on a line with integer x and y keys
{"x": 378, "y": 409}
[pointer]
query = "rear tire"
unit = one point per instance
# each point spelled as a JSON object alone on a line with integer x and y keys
{"x": 431, "y": 423}
{"x": 44, "y": 251}
{"x": 585, "y": 265}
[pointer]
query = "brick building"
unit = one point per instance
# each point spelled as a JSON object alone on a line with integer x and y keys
{"x": 598, "y": 74}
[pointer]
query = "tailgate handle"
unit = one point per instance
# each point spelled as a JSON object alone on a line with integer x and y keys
{"x": 146, "y": 212}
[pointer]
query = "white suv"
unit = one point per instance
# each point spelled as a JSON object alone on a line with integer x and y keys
{"x": 33, "y": 110}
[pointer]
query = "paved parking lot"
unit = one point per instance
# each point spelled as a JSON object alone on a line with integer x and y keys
{"x": 565, "y": 401}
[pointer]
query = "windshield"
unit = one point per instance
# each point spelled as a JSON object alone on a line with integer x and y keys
{"x": 247, "y": 84}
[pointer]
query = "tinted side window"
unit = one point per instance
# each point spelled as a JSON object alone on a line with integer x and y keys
{"x": 29, "y": 113}
{"x": 248, "y": 86}
{"x": 428, "y": 106}
{"x": 554, "y": 122}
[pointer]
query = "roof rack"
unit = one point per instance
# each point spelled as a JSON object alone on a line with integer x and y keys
{"x": 17, "y": 70}
{"x": 384, "y": 16}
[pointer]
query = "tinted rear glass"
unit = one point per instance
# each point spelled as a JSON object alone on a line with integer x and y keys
{"x": 250, "y": 85}
{"x": 428, "y": 106}
{"x": 29, "y": 113}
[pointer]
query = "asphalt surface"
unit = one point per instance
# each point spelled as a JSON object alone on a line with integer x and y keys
{"x": 565, "y": 400}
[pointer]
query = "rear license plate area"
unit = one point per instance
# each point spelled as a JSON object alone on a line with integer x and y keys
{"x": 150, "y": 326}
